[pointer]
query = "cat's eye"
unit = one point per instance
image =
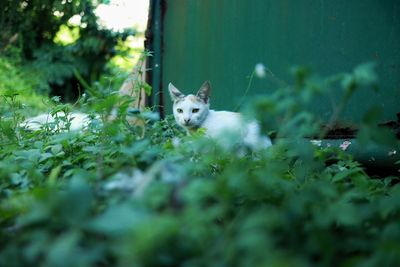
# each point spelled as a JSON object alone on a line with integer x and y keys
{"x": 195, "y": 110}
{"x": 179, "y": 110}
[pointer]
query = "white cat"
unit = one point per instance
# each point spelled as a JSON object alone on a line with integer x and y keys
{"x": 193, "y": 112}
{"x": 78, "y": 120}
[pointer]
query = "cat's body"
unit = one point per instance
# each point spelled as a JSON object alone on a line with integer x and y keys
{"x": 77, "y": 120}
{"x": 80, "y": 121}
{"x": 192, "y": 112}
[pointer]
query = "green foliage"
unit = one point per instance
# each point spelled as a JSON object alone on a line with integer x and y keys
{"x": 23, "y": 82}
{"x": 115, "y": 196}
{"x": 31, "y": 30}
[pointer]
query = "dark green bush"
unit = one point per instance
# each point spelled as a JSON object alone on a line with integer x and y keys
{"x": 30, "y": 32}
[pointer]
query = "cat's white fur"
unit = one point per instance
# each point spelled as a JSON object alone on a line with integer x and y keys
{"x": 193, "y": 112}
{"x": 78, "y": 121}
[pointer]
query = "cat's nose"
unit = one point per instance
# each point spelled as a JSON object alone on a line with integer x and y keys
{"x": 187, "y": 120}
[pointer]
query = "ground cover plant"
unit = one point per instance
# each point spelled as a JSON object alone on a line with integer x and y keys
{"x": 119, "y": 195}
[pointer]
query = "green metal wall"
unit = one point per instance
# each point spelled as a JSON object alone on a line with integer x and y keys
{"x": 222, "y": 40}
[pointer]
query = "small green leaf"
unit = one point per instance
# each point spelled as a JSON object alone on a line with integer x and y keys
{"x": 55, "y": 172}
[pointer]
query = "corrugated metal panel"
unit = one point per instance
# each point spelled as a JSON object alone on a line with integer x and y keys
{"x": 222, "y": 40}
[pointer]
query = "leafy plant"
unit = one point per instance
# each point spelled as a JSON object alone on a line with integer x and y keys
{"x": 31, "y": 31}
{"x": 111, "y": 196}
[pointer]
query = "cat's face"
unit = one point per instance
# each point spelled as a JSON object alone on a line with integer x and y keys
{"x": 190, "y": 111}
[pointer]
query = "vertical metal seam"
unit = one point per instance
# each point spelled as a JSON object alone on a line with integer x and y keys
{"x": 154, "y": 43}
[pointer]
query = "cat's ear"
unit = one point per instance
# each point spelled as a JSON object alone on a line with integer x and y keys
{"x": 174, "y": 92}
{"x": 204, "y": 92}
